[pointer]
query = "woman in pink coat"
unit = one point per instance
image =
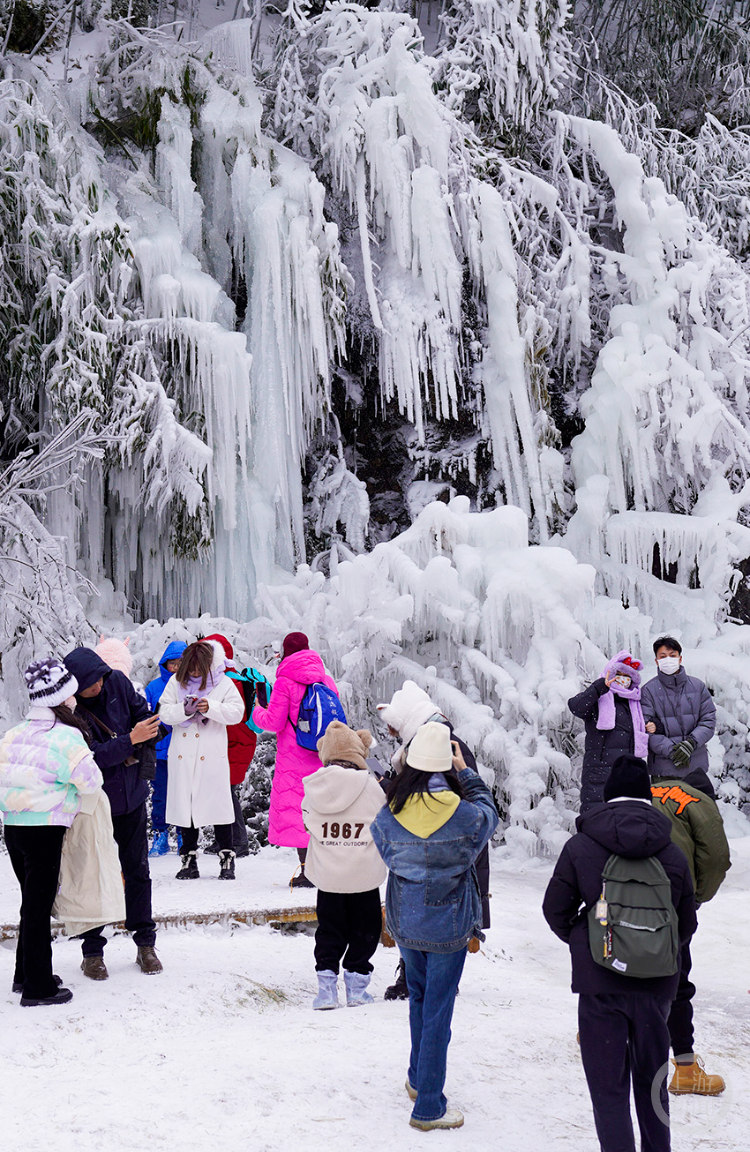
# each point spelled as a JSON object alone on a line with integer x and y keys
{"x": 300, "y": 666}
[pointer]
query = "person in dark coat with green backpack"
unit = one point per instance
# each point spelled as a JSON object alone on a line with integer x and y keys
{"x": 623, "y": 1018}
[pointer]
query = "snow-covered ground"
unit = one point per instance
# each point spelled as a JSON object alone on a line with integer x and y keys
{"x": 223, "y": 1050}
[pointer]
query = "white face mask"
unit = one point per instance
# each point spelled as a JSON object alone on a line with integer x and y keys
{"x": 623, "y": 680}
{"x": 70, "y": 703}
{"x": 669, "y": 665}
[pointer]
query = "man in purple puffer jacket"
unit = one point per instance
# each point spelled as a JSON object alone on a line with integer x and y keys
{"x": 681, "y": 708}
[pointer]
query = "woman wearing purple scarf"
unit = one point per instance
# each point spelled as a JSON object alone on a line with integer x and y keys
{"x": 199, "y": 702}
{"x": 611, "y": 711}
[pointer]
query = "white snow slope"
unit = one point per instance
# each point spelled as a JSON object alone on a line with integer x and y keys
{"x": 224, "y": 1052}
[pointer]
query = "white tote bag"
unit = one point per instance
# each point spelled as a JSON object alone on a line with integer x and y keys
{"x": 90, "y": 890}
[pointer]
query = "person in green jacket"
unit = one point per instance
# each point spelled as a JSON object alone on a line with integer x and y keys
{"x": 698, "y": 829}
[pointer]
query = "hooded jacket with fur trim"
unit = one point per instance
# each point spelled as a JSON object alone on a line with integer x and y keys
{"x": 198, "y": 790}
{"x": 293, "y": 763}
{"x": 338, "y": 808}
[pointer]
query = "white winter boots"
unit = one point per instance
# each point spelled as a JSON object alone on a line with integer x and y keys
{"x": 328, "y": 995}
{"x": 356, "y": 990}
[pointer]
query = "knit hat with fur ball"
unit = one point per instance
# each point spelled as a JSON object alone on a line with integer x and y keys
{"x": 49, "y": 682}
{"x": 629, "y": 777}
{"x": 342, "y": 743}
{"x": 430, "y": 750}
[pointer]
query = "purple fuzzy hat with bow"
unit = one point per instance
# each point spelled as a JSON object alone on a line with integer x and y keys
{"x": 625, "y": 664}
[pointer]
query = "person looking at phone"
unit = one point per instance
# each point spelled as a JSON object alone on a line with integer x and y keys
{"x": 120, "y": 721}
{"x": 429, "y": 833}
{"x": 200, "y": 702}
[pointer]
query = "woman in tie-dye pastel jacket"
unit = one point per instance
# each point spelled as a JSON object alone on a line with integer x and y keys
{"x": 45, "y": 765}
{"x": 44, "y": 768}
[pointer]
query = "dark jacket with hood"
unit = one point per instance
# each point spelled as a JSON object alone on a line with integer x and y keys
{"x": 602, "y": 747}
{"x": 630, "y": 828}
{"x": 155, "y": 688}
{"x": 119, "y": 706}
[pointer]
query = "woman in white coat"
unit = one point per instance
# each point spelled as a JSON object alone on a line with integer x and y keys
{"x": 199, "y": 702}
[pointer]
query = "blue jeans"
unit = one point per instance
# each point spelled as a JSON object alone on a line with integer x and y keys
{"x": 159, "y": 798}
{"x": 432, "y": 979}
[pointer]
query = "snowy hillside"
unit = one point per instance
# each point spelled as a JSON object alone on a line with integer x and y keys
{"x": 224, "y": 1047}
{"x": 424, "y": 328}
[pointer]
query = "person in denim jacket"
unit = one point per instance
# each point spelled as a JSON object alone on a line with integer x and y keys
{"x": 429, "y": 834}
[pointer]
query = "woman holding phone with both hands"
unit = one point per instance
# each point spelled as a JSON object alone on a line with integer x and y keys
{"x": 429, "y": 834}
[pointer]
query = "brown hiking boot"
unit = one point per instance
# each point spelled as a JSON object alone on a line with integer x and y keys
{"x": 94, "y": 967}
{"x": 148, "y": 961}
{"x": 693, "y": 1079}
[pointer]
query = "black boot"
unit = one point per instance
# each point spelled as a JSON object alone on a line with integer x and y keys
{"x": 226, "y": 860}
{"x": 189, "y": 870}
{"x": 301, "y": 881}
{"x": 398, "y": 991}
{"x": 62, "y": 996}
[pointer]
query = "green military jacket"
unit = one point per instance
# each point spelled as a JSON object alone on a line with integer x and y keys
{"x": 698, "y": 829}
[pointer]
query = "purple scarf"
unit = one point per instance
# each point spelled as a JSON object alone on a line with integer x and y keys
{"x": 192, "y": 692}
{"x": 606, "y": 719}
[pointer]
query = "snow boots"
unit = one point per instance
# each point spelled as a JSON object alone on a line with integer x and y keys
{"x": 451, "y": 1118}
{"x": 328, "y": 996}
{"x": 398, "y": 990}
{"x": 356, "y": 989}
{"x": 147, "y": 960}
{"x": 160, "y": 846}
{"x": 226, "y": 864}
{"x": 62, "y": 996}
{"x": 300, "y": 880}
{"x": 189, "y": 870}
{"x": 410, "y": 1092}
{"x": 94, "y": 967}
{"x": 692, "y": 1079}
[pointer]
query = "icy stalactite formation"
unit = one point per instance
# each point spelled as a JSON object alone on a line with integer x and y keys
{"x": 404, "y": 164}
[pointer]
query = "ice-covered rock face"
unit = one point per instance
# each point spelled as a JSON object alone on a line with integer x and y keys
{"x": 193, "y": 280}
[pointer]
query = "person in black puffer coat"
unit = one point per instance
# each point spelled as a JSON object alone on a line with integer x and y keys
{"x": 611, "y": 711}
{"x": 622, "y": 1020}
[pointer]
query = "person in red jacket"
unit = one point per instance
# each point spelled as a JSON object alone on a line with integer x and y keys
{"x": 242, "y": 744}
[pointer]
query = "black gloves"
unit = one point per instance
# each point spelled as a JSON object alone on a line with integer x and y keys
{"x": 681, "y": 753}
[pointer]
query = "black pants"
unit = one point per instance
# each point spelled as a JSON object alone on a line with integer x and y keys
{"x": 222, "y": 833}
{"x": 624, "y": 1037}
{"x": 482, "y": 867}
{"x": 35, "y": 855}
{"x": 239, "y": 830}
{"x": 131, "y": 837}
{"x": 348, "y": 928}
{"x": 680, "y": 1021}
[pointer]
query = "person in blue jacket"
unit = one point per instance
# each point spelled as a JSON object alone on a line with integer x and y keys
{"x": 429, "y": 834}
{"x": 168, "y": 665}
{"x": 120, "y": 721}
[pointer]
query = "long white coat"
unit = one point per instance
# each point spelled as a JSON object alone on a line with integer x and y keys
{"x": 198, "y": 790}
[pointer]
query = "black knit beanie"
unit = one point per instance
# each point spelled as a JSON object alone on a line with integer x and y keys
{"x": 629, "y": 777}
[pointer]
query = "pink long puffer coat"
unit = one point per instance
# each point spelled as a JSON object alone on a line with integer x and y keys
{"x": 293, "y": 763}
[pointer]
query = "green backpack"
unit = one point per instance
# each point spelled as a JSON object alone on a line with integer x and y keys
{"x": 633, "y": 926}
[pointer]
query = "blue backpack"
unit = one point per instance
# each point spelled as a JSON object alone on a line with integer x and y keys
{"x": 320, "y": 705}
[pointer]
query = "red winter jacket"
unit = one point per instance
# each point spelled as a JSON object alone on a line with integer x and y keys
{"x": 242, "y": 741}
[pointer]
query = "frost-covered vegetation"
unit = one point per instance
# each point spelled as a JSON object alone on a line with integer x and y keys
{"x": 423, "y": 328}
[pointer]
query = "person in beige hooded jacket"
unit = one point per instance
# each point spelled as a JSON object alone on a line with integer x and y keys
{"x": 341, "y": 800}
